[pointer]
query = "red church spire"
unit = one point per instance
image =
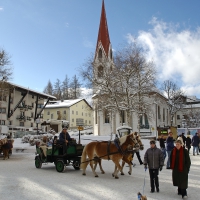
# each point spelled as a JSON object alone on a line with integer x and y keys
{"x": 103, "y": 35}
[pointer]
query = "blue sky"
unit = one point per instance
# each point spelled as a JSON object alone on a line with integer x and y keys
{"x": 48, "y": 39}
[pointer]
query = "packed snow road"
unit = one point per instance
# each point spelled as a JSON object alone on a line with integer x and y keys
{"x": 20, "y": 180}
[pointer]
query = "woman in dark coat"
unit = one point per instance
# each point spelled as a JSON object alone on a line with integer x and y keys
{"x": 180, "y": 165}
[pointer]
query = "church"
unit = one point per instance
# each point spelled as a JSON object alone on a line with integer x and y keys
{"x": 105, "y": 120}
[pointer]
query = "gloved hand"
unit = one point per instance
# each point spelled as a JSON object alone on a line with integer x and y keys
{"x": 145, "y": 167}
{"x": 161, "y": 168}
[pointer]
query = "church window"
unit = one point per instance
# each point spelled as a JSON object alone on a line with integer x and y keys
{"x": 100, "y": 71}
{"x": 106, "y": 116}
{"x": 100, "y": 54}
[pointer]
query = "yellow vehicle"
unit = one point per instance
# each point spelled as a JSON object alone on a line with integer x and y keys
{"x": 165, "y": 130}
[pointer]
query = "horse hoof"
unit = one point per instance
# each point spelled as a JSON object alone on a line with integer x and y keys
{"x": 96, "y": 176}
{"x": 129, "y": 173}
{"x": 122, "y": 173}
{"x": 116, "y": 177}
{"x": 84, "y": 174}
{"x": 112, "y": 175}
{"x": 103, "y": 172}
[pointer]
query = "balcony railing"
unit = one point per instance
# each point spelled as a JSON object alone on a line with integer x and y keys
{"x": 21, "y": 117}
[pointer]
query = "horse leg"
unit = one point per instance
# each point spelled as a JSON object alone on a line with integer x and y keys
{"x": 119, "y": 168}
{"x": 100, "y": 166}
{"x": 123, "y": 163}
{"x": 113, "y": 174}
{"x": 126, "y": 159}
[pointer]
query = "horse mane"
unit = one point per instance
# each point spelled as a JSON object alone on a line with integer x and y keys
{"x": 122, "y": 140}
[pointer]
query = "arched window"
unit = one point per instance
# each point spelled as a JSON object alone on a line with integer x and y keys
{"x": 100, "y": 54}
{"x": 106, "y": 117}
{"x": 111, "y": 54}
{"x": 100, "y": 71}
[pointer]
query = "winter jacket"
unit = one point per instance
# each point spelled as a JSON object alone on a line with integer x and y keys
{"x": 180, "y": 179}
{"x": 162, "y": 143}
{"x": 188, "y": 142}
{"x": 169, "y": 143}
{"x": 63, "y": 138}
{"x": 195, "y": 141}
{"x": 154, "y": 158}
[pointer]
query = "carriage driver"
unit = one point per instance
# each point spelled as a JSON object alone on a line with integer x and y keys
{"x": 64, "y": 138}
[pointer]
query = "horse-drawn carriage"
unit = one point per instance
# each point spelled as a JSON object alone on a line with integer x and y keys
{"x": 60, "y": 155}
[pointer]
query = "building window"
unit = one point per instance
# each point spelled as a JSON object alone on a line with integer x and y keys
{"x": 163, "y": 114}
{"x": 82, "y": 106}
{"x": 2, "y": 110}
{"x": 32, "y": 114}
{"x": 40, "y": 106}
{"x": 85, "y": 122}
{"x": 31, "y": 124}
{"x": 72, "y": 120}
{"x": 10, "y": 122}
{"x": 106, "y": 116}
{"x": 100, "y": 54}
{"x": 11, "y": 100}
{"x": 21, "y": 123}
{"x": 4, "y": 98}
{"x": 76, "y": 112}
{"x": 122, "y": 117}
{"x": 100, "y": 71}
{"x": 72, "y": 112}
{"x": 96, "y": 121}
{"x": 178, "y": 117}
{"x": 32, "y": 105}
{"x": 89, "y": 122}
{"x": 2, "y": 122}
{"x": 111, "y": 54}
{"x": 48, "y": 112}
{"x": 64, "y": 112}
{"x": 51, "y": 116}
{"x": 159, "y": 116}
{"x": 82, "y": 113}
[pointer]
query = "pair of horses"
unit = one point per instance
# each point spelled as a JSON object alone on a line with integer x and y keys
{"x": 95, "y": 151}
{"x": 6, "y": 146}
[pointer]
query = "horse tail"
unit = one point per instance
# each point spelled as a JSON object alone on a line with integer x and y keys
{"x": 84, "y": 162}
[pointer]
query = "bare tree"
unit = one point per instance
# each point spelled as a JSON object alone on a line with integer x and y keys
{"x": 65, "y": 88}
{"x": 49, "y": 88}
{"x": 75, "y": 88}
{"x": 175, "y": 96}
{"x": 6, "y": 70}
{"x": 123, "y": 86}
{"x": 57, "y": 92}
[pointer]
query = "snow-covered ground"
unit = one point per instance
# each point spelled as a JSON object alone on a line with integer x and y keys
{"x": 20, "y": 180}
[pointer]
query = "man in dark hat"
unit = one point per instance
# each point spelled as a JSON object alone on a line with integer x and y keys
{"x": 154, "y": 159}
{"x": 64, "y": 138}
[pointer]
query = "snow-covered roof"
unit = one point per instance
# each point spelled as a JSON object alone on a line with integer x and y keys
{"x": 64, "y": 103}
{"x": 31, "y": 91}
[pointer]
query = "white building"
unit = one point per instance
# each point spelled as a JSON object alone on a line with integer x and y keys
{"x": 106, "y": 122}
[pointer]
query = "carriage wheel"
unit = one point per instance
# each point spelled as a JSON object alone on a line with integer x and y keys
{"x": 38, "y": 163}
{"x": 60, "y": 166}
{"x": 76, "y": 164}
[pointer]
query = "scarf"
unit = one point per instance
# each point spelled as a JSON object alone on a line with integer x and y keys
{"x": 180, "y": 161}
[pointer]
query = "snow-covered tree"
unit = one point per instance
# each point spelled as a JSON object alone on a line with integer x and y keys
{"x": 6, "y": 70}
{"x": 57, "y": 92}
{"x": 125, "y": 86}
{"x": 175, "y": 96}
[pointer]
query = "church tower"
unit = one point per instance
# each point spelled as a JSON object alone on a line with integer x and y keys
{"x": 103, "y": 58}
{"x": 103, "y": 62}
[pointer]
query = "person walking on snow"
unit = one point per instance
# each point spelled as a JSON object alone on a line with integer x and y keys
{"x": 169, "y": 147}
{"x": 154, "y": 159}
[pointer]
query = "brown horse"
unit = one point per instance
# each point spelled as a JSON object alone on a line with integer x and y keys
{"x": 102, "y": 150}
{"x": 6, "y": 146}
{"x": 127, "y": 158}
